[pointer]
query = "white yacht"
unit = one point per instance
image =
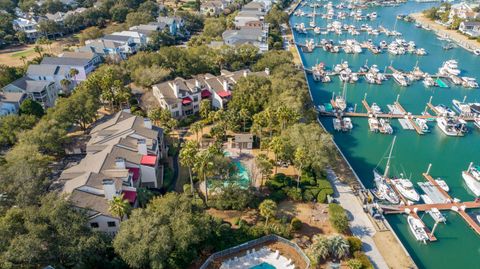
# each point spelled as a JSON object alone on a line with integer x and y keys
{"x": 476, "y": 121}
{"x": 445, "y": 111}
{"x": 385, "y": 127}
{"x": 406, "y": 189}
{"x": 436, "y": 215}
{"x": 442, "y": 184}
{"x": 337, "y": 124}
{"x": 462, "y": 108}
{"x": 373, "y": 124}
{"x": 469, "y": 82}
{"x": 428, "y": 81}
{"x": 426, "y": 199}
{"x": 376, "y": 108}
{"x": 472, "y": 178}
{"x": 418, "y": 229}
{"x": 452, "y": 126}
{"x": 450, "y": 67}
{"x": 422, "y": 123}
{"x": 347, "y": 124}
{"x": 400, "y": 79}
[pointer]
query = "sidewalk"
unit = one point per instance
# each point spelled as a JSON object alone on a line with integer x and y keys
{"x": 360, "y": 224}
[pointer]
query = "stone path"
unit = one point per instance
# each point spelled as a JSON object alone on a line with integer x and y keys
{"x": 360, "y": 224}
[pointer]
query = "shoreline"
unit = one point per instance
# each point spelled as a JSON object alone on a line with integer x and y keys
{"x": 458, "y": 38}
{"x": 397, "y": 243}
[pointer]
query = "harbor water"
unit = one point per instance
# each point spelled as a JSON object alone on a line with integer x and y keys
{"x": 458, "y": 246}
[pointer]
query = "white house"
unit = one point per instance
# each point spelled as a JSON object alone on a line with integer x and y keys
{"x": 471, "y": 28}
{"x": 44, "y": 92}
{"x": 257, "y": 36}
{"x": 84, "y": 63}
{"x": 29, "y": 26}
{"x": 139, "y": 39}
{"x": 463, "y": 11}
{"x": 10, "y": 102}
{"x": 244, "y": 17}
{"x": 123, "y": 154}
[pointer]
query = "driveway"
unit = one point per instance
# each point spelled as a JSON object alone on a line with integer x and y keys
{"x": 360, "y": 224}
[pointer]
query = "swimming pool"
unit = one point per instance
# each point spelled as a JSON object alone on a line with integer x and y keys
{"x": 263, "y": 265}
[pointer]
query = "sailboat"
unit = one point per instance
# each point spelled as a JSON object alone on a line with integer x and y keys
{"x": 312, "y": 22}
{"x": 383, "y": 189}
{"x": 341, "y": 100}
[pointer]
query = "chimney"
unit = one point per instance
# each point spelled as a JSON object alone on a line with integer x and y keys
{"x": 147, "y": 123}
{"x": 267, "y": 71}
{"x": 120, "y": 163}
{"x": 197, "y": 83}
{"x": 245, "y": 73}
{"x": 225, "y": 85}
{"x": 175, "y": 88}
{"x": 142, "y": 147}
{"x": 109, "y": 189}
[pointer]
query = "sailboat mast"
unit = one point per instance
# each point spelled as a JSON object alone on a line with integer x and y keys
{"x": 387, "y": 167}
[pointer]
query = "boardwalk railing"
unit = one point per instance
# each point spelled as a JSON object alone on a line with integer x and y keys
{"x": 253, "y": 243}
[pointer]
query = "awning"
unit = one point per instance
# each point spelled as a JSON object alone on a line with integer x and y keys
{"x": 223, "y": 94}
{"x": 186, "y": 100}
{"x": 149, "y": 160}
{"x": 130, "y": 196}
{"x": 135, "y": 172}
{"x": 206, "y": 94}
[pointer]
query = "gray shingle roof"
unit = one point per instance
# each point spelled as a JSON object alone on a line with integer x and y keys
{"x": 65, "y": 61}
{"x": 31, "y": 86}
{"x": 118, "y": 38}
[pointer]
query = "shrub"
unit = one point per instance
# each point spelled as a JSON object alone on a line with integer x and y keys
{"x": 366, "y": 264}
{"x": 232, "y": 197}
{"x": 278, "y": 181}
{"x": 296, "y": 224}
{"x": 293, "y": 193}
{"x": 355, "y": 244}
{"x": 354, "y": 264}
{"x": 310, "y": 193}
{"x": 338, "y": 218}
{"x": 307, "y": 180}
{"x": 277, "y": 196}
{"x": 324, "y": 184}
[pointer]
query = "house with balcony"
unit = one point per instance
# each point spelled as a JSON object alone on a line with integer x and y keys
{"x": 43, "y": 91}
{"x": 114, "y": 47}
{"x": 254, "y": 33}
{"x": 28, "y": 26}
{"x": 139, "y": 39}
{"x": 84, "y": 63}
{"x": 470, "y": 28}
{"x": 464, "y": 11}
{"x": 212, "y": 8}
{"x": 244, "y": 17}
{"x": 182, "y": 97}
{"x": 123, "y": 154}
{"x": 10, "y": 102}
{"x": 173, "y": 23}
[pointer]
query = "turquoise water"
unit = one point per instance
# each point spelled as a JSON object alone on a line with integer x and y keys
{"x": 241, "y": 174}
{"x": 264, "y": 265}
{"x": 458, "y": 246}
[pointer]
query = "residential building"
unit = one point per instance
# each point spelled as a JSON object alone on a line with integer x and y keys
{"x": 139, "y": 39}
{"x": 10, "y": 102}
{"x": 28, "y": 26}
{"x": 44, "y": 92}
{"x": 115, "y": 47}
{"x": 212, "y": 8}
{"x": 148, "y": 29}
{"x": 254, "y": 6}
{"x": 243, "y": 17}
{"x": 182, "y": 97}
{"x": 249, "y": 34}
{"x": 84, "y": 63}
{"x": 59, "y": 17}
{"x": 123, "y": 154}
{"x": 174, "y": 23}
{"x": 241, "y": 141}
{"x": 127, "y": 43}
{"x": 463, "y": 11}
{"x": 470, "y": 28}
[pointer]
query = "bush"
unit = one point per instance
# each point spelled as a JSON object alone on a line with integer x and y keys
{"x": 355, "y": 244}
{"x": 310, "y": 194}
{"x": 324, "y": 184}
{"x": 354, "y": 264}
{"x": 277, "y": 196}
{"x": 366, "y": 264}
{"x": 307, "y": 180}
{"x": 168, "y": 178}
{"x": 296, "y": 224}
{"x": 278, "y": 181}
{"x": 232, "y": 197}
{"x": 338, "y": 218}
{"x": 293, "y": 193}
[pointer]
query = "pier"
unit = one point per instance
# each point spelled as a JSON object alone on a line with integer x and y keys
{"x": 448, "y": 204}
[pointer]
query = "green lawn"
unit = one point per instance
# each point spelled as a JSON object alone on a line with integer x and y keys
{"x": 25, "y": 53}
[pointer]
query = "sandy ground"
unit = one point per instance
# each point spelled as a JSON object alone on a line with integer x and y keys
{"x": 452, "y": 34}
{"x": 391, "y": 250}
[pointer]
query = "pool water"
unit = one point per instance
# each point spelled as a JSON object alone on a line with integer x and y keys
{"x": 263, "y": 265}
{"x": 242, "y": 177}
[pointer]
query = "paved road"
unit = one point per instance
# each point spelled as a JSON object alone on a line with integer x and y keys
{"x": 360, "y": 224}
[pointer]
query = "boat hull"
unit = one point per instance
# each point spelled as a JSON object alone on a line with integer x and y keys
{"x": 472, "y": 183}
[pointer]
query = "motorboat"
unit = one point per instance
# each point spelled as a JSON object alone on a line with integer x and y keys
{"x": 475, "y": 107}
{"x": 373, "y": 124}
{"x": 436, "y": 215}
{"x": 472, "y": 178}
{"x": 337, "y": 124}
{"x": 445, "y": 111}
{"x": 385, "y": 127}
{"x": 476, "y": 122}
{"x": 477, "y": 52}
{"x": 405, "y": 187}
{"x": 418, "y": 229}
{"x": 428, "y": 81}
{"x": 422, "y": 123}
{"x": 400, "y": 79}
{"x": 452, "y": 126}
{"x": 347, "y": 124}
{"x": 370, "y": 78}
{"x": 462, "y": 108}
{"x": 450, "y": 67}
{"x": 442, "y": 184}
{"x": 469, "y": 82}
{"x": 426, "y": 199}
{"x": 383, "y": 190}
{"x": 340, "y": 103}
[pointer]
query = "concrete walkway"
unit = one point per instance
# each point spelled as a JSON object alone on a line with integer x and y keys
{"x": 360, "y": 224}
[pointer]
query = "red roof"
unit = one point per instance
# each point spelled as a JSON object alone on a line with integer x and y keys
{"x": 223, "y": 94}
{"x": 136, "y": 173}
{"x": 149, "y": 160}
{"x": 186, "y": 100}
{"x": 206, "y": 94}
{"x": 130, "y": 196}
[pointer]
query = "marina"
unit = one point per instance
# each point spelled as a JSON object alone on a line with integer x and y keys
{"x": 421, "y": 105}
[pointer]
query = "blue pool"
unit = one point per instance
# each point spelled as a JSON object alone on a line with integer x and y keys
{"x": 263, "y": 265}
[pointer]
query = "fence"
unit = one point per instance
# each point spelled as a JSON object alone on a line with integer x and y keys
{"x": 253, "y": 243}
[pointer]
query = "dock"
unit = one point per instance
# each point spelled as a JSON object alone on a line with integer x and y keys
{"x": 431, "y": 236}
{"x": 441, "y": 200}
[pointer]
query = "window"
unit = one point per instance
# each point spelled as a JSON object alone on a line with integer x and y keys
{"x": 111, "y": 224}
{"x": 195, "y": 98}
{"x": 174, "y": 106}
{"x": 94, "y": 224}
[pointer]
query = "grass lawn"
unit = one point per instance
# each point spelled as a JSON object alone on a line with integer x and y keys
{"x": 25, "y": 53}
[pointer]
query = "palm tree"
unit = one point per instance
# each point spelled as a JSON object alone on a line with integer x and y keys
{"x": 38, "y": 50}
{"x": 245, "y": 115}
{"x": 119, "y": 207}
{"x": 65, "y": 83}
{"x": 339, "y": 247}
{"x": 268, "y": 209}
{"x": 320, "y": 248}
{"x": 197, "y": 127}
{"x": 300, "y": 160}
{"x": 264, "y": 165}
{"x": 73, "y": 73}
{"x": 277, "y": 145}
{"x": 24, "y": 60}
{"x": 204, "y": 166}
{"x": 187, "y": 157}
